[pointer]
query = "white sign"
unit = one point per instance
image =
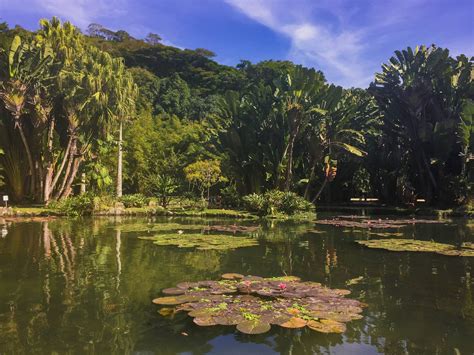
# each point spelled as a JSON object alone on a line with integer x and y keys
{"x": 5, "y": 198}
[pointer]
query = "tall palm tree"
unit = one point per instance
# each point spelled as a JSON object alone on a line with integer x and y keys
{"x": 23, "y": 71}
{"x": 422, "y": 94}
{"x": 123, "y": 99}
{"x": 299, "y": 93}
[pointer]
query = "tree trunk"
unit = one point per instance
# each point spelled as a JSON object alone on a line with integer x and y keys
{"x": 119, "y": 162}
{"x": 83, "y": 184}
{"x": 71, "y": 159}
{"x": 289, "y": 164}
{"x": 75, "y": 168}
{"x": 63, "y": 164}
{"x": 320, "y": 191}
{"x": 48, "y": 178}
{"x": 28, "y": 155}
{"x": 308, "y": 185}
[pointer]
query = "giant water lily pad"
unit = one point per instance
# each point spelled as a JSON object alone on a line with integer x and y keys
{"x": 254, "y": 303}
{"x": 466, "y": 249}
{"x": 202, "y": 241}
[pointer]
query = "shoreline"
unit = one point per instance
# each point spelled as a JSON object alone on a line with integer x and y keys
{"x": 13, "y": 212}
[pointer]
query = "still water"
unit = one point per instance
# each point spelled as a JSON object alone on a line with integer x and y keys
{"x": 85, "y": 287}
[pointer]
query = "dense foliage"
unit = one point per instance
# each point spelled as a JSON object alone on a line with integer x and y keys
{"x": 196, "y": 127}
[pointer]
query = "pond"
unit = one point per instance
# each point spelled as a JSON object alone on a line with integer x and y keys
{"x": 86, "y": 285}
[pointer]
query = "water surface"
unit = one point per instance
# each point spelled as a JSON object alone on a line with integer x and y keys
{"x": 85, "y": 286}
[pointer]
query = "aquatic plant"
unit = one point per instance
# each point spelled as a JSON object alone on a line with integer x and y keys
{"x": 466, "y": 249}
{"x": 367, "y": 223}
{"x": 202, "y": 241}
{"x": 254, "y": 303}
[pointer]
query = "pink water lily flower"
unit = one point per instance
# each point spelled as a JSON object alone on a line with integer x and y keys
{"x": 282, "y": 286}
{"x": 247, "y": 283}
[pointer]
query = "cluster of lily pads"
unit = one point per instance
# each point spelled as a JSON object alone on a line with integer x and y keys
{"x": 254, "y": 303}
{"x": 232, "y": 228}
{"x": 466, "y": 249}
{"x": 202, "y": 241}
{"x": 366, "y": 223}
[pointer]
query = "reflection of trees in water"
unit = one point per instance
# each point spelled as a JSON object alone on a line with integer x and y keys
{"x": 86, "y": 286}
{"x": 68, "y": 287}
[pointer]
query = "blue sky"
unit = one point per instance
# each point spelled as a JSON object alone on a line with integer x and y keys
{"x": 347, "y": 39}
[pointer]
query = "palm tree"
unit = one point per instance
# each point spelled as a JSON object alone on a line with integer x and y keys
{"x": 124, "y": 96}
{"x": 422, "y": 94}
{"x": 299, "y": 94}
{"x": 339, "y": 128}
{"x": 23, "y": 72}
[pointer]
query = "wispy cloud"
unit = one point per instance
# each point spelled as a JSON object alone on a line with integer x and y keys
{"x": 334, "y": 36}
{"x": 80, "y": 12}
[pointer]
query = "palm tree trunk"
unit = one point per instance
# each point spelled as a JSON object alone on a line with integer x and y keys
{"x": 75, "y": 168}
{"x": 289, "y": 164}
{"x": 119, "y": 161}
{"x": 28, "y": 155}
{"x": 63, "y": 164}
{"x": 48, "y": 178}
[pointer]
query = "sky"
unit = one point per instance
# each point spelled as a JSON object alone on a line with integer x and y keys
{"x": 347, "y": 39}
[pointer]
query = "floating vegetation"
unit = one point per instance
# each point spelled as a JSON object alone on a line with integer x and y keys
{"x": 203, "y": 241}
{"x": 466, "y": 249}
{"x": 158, "y": 227}
{"x": 254, "y": 303}
{"x": 316, "y": 231}
{"x": 380, "y": 234}
{"x": 232, "y": 228}
{"x": 354, "y": 281}
{"x": 374, "y": 223}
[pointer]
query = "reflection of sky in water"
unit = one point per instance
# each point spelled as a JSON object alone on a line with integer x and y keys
{"x": 86, "y": 286}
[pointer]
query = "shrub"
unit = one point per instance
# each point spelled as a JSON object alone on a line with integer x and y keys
{"x": 80, "y": 205}
{"x": 275, "y": 201}
{"x": 231, "y": 197}
{"x": 134, "y": 200}
{"x": 254, "y": 203}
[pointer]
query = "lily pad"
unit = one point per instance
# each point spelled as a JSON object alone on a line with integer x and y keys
{"x": 419, "y": 246}
{"x": 327, "y": 326}
{"x": 232, "y": 228}
{"x": 204, "y": 321}
{"x": 253, "y": 327}
{"x": 294, "y": 322}
{"x": 366, "y": 223}
{"x": 172, "y": 300}
{"x": 202, "y": 241}
{"x": 253, "y": 303}
{"x": 173, "y": 291}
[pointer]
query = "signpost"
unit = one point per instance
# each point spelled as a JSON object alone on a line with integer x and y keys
{"x": 5, "y": 199}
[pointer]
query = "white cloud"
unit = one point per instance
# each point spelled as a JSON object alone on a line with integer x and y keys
{"x": 327, "y": 34}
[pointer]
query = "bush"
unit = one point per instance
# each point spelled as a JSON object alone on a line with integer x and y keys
{"x": 275, "y": 201}
{"x": 74, "y": 206}
{"x": 231, "y": 197}
{"x": 254, "y": 203}
{"x": 134, "y": 200}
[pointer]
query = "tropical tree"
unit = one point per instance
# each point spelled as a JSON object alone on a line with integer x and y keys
{"x": 205, "y": 174}
{"x": 23, "y": 75}
{"x": 340, "y": 127}
{"x": 422, "y": 94}
{"x": 299, "y": 97}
